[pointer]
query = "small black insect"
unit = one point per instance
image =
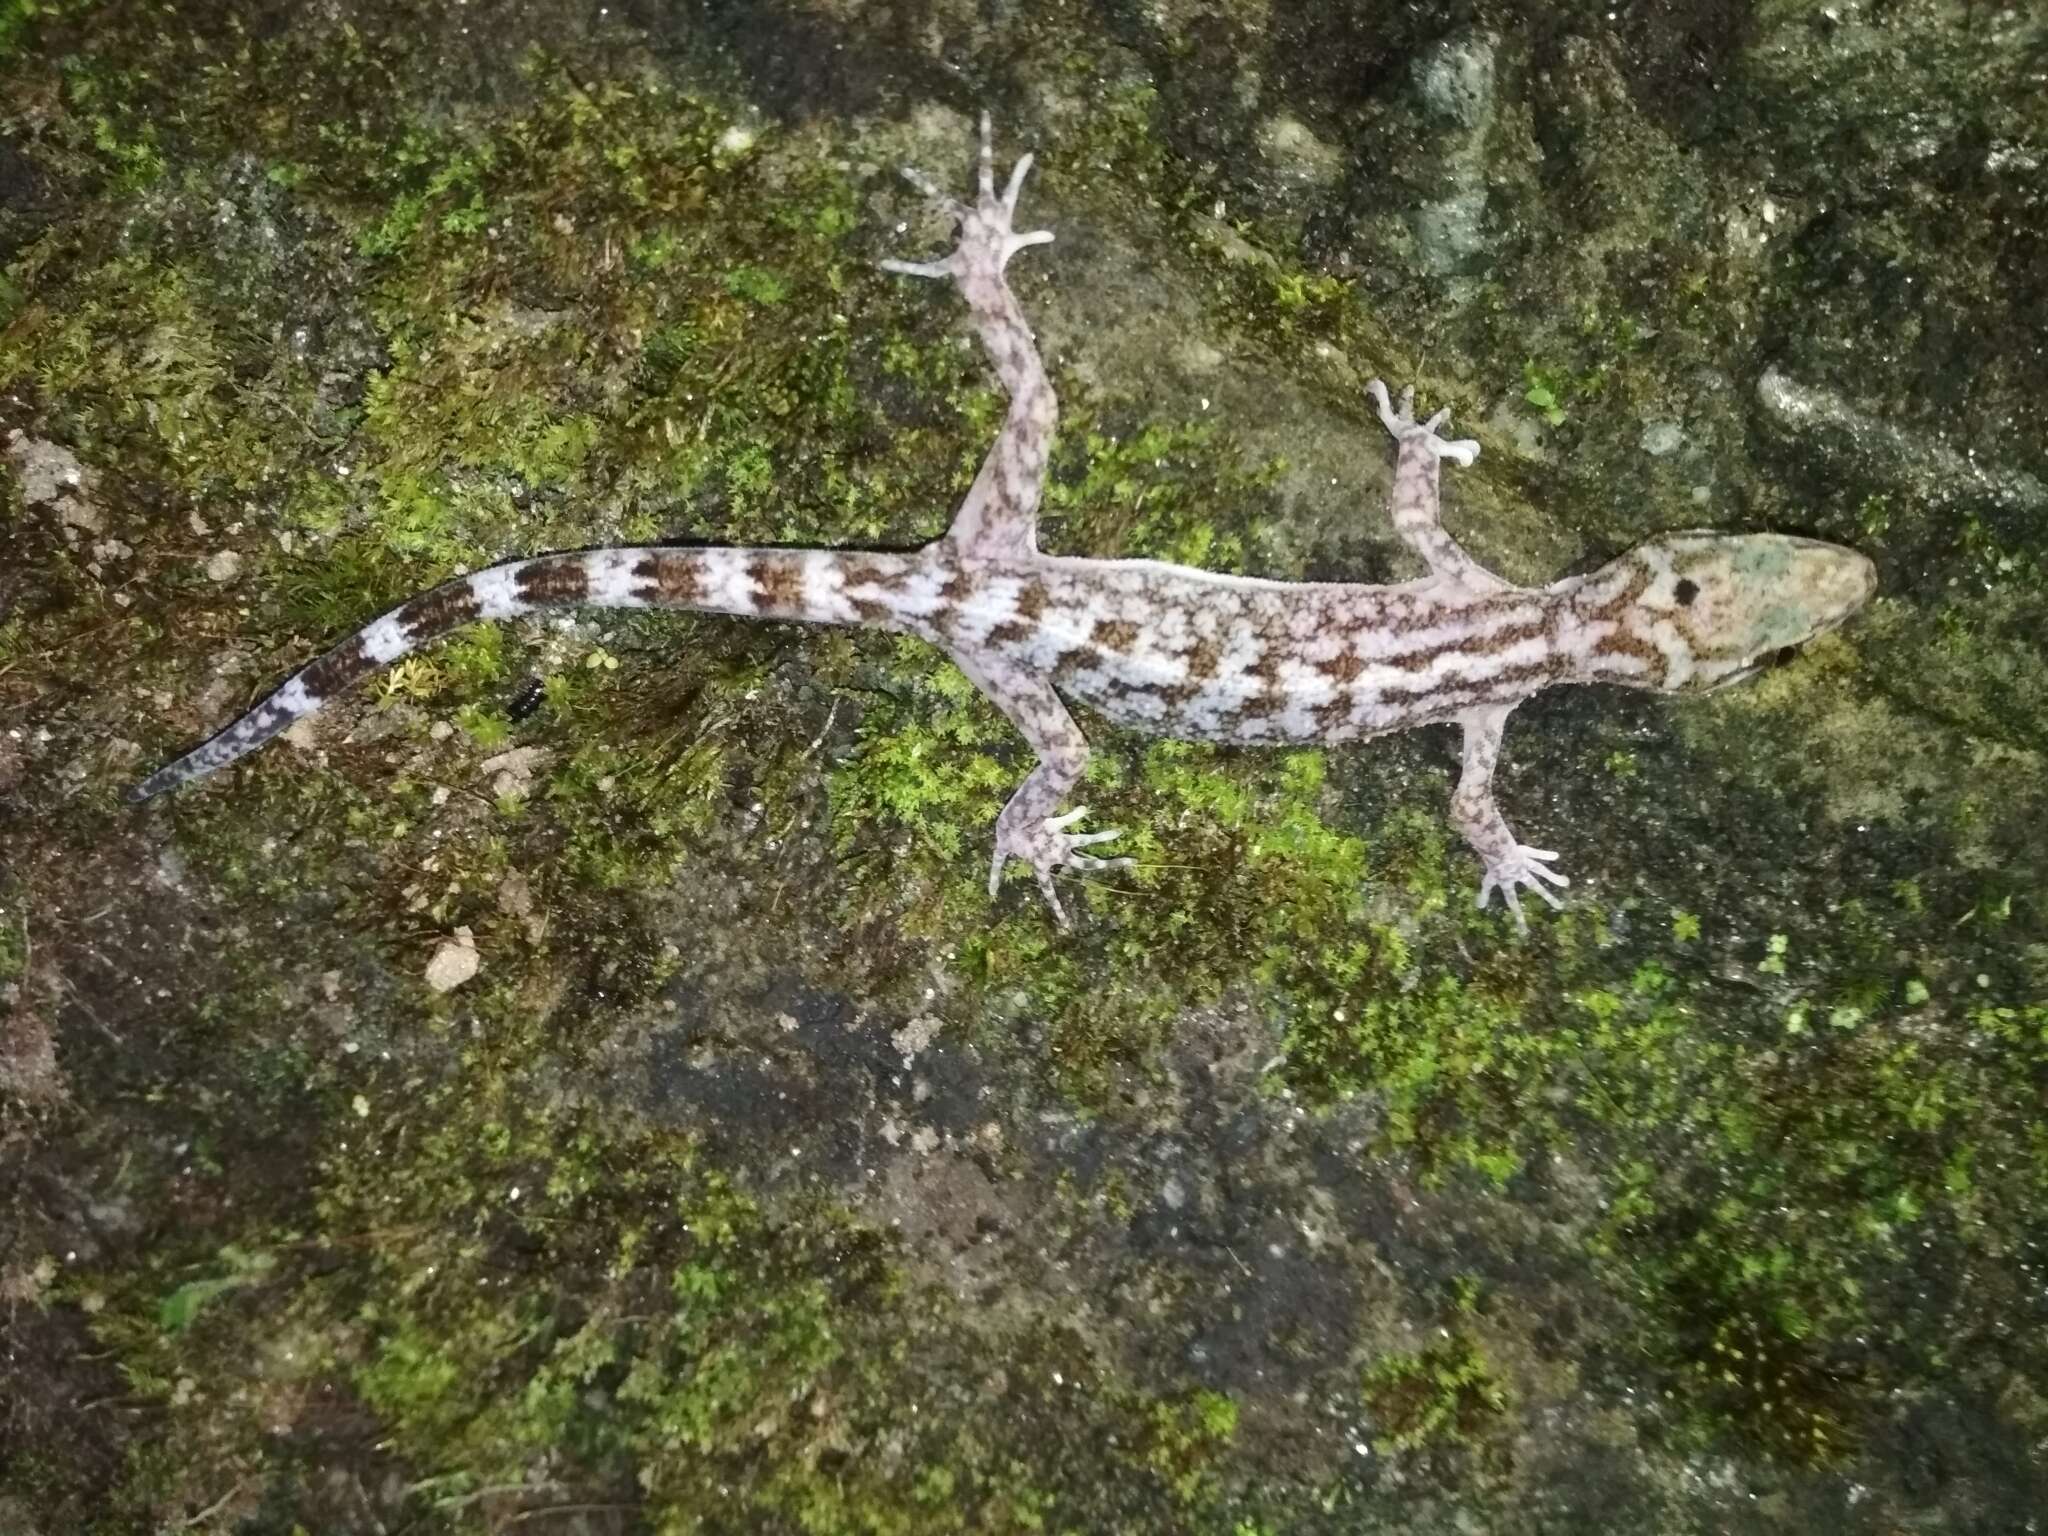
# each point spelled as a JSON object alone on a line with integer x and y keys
{"x": 526, "y": 701}
{"x": 1686, "y": 590}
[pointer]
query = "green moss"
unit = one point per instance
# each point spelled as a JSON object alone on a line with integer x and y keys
{"x": 1186, "y": 1439}
{"x": 687, "y": 1328}
{"x": 1760, "y": 1287}
{"x": 237, "y": 1269}
{"x": 629, "y": 793}
{"x": 925, "y": 767}
{"x": 1442, "y": 1395}
{"x": 1181, "y": 492}
{"x": 726, "y": 1360}
{"x": 125, "y": 342}
{"x": 1446, "y": 1401}
{"x": 13, "y": 937}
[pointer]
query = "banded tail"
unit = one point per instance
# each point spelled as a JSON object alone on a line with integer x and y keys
{"x": 818, "y": 586}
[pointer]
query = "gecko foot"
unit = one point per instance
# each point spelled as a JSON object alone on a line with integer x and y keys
{"x": 1045, "y": 846}
{"x": 987, "y": 241}
{"x": 1402, "y": 423}
{"x": 1520, "y": 866}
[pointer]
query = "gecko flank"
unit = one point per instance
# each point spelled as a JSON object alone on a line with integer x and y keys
{"x": 1163, "y": 648}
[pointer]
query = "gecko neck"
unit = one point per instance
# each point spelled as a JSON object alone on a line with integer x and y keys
{"x": 1599, "y": 634}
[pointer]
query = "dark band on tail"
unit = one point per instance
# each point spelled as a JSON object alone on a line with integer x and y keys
{"x": 502, "y": 591}
{"x": 818, "y": 585}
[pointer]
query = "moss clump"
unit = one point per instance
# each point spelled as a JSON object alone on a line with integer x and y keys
{"x": 13, "y": 936}
{"x": 684, "y": 1327}
{"x": 1443, "y": 1394}
{"x": 1754, "y": 1271}
{"x": 712, "y": 1359}
{"x": 1186, "y": 1438}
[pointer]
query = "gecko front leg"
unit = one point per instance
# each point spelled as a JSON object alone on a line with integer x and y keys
{"x": 1415, "y": 504}
{"x": 999, "y": 518}
{"x": 1027, "y": 828}
{"x": 1510, "y": 865}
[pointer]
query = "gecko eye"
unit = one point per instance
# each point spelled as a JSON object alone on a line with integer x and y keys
{"x": 1686, "y": 590}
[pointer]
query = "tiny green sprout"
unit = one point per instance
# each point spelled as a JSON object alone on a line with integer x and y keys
{"x": 1544, "y": 390}
{"x": 757, "y": 284}
{"x": 176, "y": 1312}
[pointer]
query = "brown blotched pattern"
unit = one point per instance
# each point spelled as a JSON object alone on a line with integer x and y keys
{"x": 1116, "y": 634}
{"x": 436, "y": 612}
{"x": 552, "y": 581}
{"x": 339, "y": 670}
{"x": 778, "y": 584}
{"x": 668, "y": 578}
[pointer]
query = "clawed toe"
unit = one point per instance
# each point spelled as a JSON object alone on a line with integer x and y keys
{"x": 1522, "y": 868}
{"x": 1049, "y": 846}
{"x": 1401, "y": 423}
{"x": 938, "y": 196}
{"x": 986, "y": 235}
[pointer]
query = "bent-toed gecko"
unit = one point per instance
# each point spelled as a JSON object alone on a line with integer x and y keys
{"x": 1162, "y": 648}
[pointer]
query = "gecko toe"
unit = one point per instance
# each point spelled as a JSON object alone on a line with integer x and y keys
{"x": 986, "y": 240}
{"x": 917, "y": 268}
{"x": 929, "y": 188}
{"x": 1521, "y": 868}
{"x": 1514, "y": 905}
{"x": 1017, "y": 174}
{"x": 1090, "y": 839}
{"x": 1016, "y": 243}
{"x": 1400, "y": 422}
{"x": 1047, "y": 846}
{"x": 1052, "y": 897}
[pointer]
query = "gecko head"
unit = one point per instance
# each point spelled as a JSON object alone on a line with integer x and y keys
{"x": 1691, "y": 612}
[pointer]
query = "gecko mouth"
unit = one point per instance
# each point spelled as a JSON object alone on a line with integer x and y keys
{"x": 1768, "y": 661}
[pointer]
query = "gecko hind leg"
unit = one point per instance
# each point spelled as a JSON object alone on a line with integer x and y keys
{"x": 1027, "y": 829}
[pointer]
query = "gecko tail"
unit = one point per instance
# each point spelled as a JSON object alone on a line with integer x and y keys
{"x": 818, "y": 585}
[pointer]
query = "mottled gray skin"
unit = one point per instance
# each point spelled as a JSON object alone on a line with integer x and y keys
{"x": 1163, "y": 648}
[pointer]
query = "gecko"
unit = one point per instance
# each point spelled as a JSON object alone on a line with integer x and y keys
{"x": 1164, "y": 649}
